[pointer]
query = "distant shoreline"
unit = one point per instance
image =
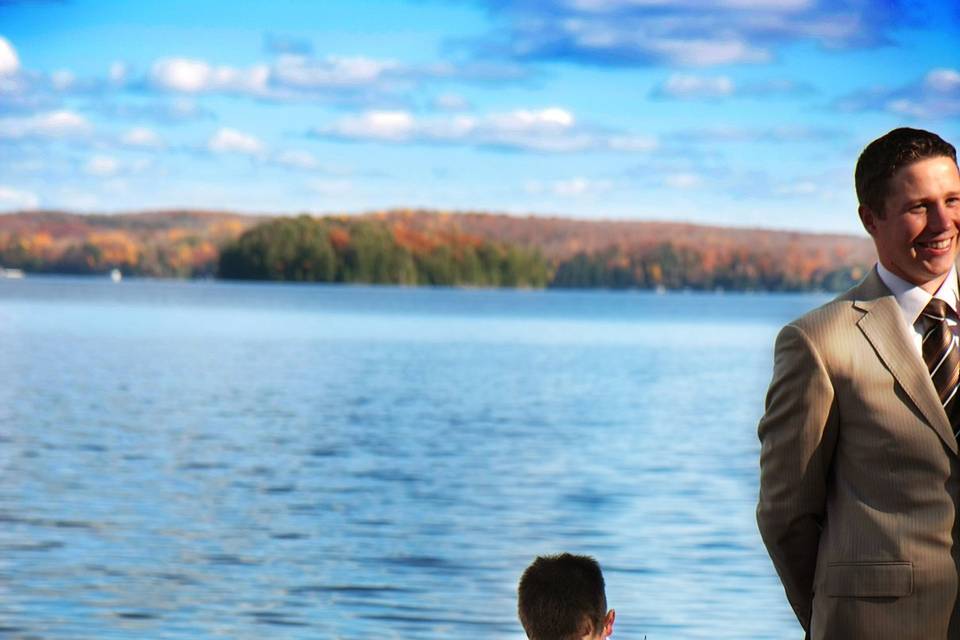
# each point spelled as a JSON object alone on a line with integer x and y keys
{"x": 105, "y": 279}
{"x": 417, "y": 247}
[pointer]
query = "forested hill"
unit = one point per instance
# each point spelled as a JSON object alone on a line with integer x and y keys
{"x": 428, "y": 247}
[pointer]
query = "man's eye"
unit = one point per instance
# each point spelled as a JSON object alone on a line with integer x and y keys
{"x": 953, "y": 201}
{"x": 918, "y": 208}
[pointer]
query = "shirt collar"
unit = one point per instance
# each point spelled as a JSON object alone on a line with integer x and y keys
{"x": 913, "y": 299}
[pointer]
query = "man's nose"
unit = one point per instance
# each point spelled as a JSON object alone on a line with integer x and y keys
{"x": 939, "y": 217}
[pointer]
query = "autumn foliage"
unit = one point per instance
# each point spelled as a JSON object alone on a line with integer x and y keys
{"x": 377, "y": 252}
{"x": 430, "y": 247}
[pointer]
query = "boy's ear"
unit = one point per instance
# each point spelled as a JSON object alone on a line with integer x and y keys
{"x": 608, "y": 624}
{"x": 587, "y": 632}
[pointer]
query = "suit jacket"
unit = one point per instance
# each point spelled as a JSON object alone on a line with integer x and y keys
{"x": 859, "y": 476}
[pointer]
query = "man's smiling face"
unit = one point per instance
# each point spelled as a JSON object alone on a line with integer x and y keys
{"x": 916, "y": 233}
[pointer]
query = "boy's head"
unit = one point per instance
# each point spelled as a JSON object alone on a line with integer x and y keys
{"x": 562, "y": 598}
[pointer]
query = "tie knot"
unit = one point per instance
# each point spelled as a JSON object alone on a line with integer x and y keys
{"x": 937, "y": 310}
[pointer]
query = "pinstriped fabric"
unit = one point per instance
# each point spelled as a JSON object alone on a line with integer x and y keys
{"x": 860, "y": 476}
{"x": 941, "y": 356}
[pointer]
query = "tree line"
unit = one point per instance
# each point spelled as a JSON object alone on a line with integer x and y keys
{"x": 306, "y": 249}
{"x": 424, "y": 248}
{"x": 674, "y": 267}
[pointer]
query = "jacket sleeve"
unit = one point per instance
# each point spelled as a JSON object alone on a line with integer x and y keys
{"x": 797, "y": 434}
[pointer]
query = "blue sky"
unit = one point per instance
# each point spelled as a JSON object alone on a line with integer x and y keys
{"x": 731, "y": 112}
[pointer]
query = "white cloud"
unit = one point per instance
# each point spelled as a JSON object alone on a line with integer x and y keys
{"x": 62, "y": 79}
{"x": 185, "y": 75}
{"x": 302, "y": 72}
{"x": 943, "y": 80}
{"x": 181, "y": 75}
{"x": 549, "y": 130}
{"x": 53, "y": 124}
{"x": 300, "y": 76}
{"x": 9, "y": 62}
{"x": 705, "y": 53}
{"x": 576, "y": 187}
{"x": 552, "y": 118}
{"x": 934, "y": 96}
{"x": 297, "y": 159}
{"x": 682, "y": 181}
{"x": 631, "y": 143}
{"x": 393, "y": 126}
{"x": 289, "y": 76}
{"x": 684, "y": 32}
{"x": 227, "y": 140}
{"x": 101, "y": 166}
{"x": 685, "y": 86}
{"x": 12, "y": 199}
{"x": 141, "y": 137}
{"x": 118, "y": 72}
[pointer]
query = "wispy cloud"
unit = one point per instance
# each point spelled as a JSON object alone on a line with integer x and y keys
{"x": 548, "y": 130}
{"x": 682, "y": 32}
{"x": 291, "y": 74}
{"x": 330, "y": 78}
{"x": 185, "y": 75}
{"x": 296, "y": 159}
{"x": 687, "y": 86}
{"x": 53, "y": 124}
{"x": 683, "y": 181}
{"x": 231, "y": 141}
{"x": 13, "y": 199}
{"x": 576, "y": 187}
{"x": 693, "y": 87}
{"x": 142, "y": 137}
{"x": 165, "y": 111}
{"x": 935, "y": 96}
{"x": 738, "y": 134}
{"x": 102, "y": 166}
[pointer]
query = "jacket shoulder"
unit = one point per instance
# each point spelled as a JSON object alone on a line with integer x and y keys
{"x": 840, "y": 316}
{"x": 828, "y": 318}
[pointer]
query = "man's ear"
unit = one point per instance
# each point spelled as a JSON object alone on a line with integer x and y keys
{"x": 869, "y": 218}
{"x": 608, "y": 624}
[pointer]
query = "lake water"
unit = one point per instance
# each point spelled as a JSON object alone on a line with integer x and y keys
{"x": 211, "y": 460}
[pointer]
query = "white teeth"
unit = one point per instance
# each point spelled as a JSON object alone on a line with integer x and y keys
{"x": 940, "y": 244}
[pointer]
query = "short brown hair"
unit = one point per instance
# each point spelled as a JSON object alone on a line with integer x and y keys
{"x": 558, "y": 594}
{"x": 886, "y": 155}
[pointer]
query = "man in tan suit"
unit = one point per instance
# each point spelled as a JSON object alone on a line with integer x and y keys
{"x": 859, "y": 464}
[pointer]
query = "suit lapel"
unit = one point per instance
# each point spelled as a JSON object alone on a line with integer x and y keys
{"x": 883, "y": 325}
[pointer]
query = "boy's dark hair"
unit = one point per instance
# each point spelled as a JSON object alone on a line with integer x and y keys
{"x": 558, "y": 594}
{"x": 886, "y": 155}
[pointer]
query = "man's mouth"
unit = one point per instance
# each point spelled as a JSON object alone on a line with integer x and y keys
{"x": 936, "y": 244}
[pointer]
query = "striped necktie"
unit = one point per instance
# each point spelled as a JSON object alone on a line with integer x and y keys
{"x": 942, "y": 357}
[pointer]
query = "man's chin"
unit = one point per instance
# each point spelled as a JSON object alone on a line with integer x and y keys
{"x": 940, "y": 267}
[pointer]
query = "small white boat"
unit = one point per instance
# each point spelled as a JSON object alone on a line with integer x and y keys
{"x": 116, "y": 275}
{"x": 11, "y": 273}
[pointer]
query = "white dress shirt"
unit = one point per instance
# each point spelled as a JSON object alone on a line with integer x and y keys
{"x": 913, "y": 299}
